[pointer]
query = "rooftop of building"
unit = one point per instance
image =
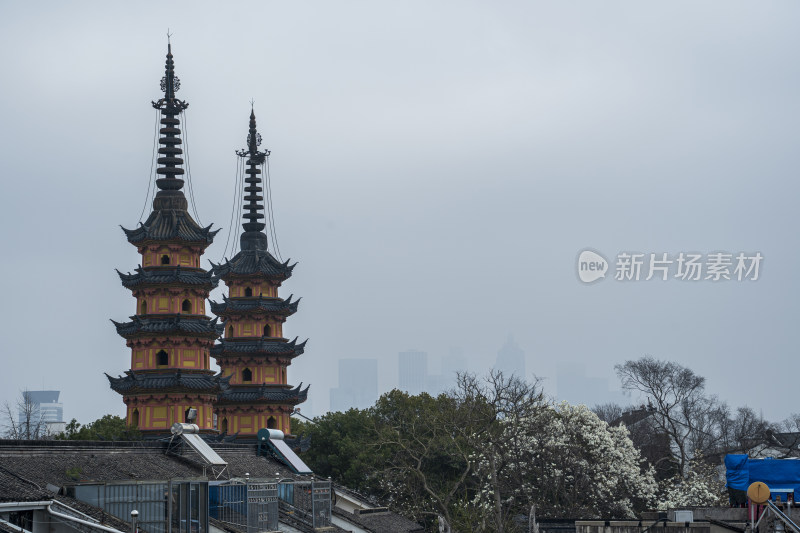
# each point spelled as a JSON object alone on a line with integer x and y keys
{"x": 36, "y": 471}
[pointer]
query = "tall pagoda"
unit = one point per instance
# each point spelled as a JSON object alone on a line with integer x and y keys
{"x": 253, "y": 354}
{"x": 170, "y": 336}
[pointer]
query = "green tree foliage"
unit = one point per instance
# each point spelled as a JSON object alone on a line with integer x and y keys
{"x": 480, "y": 455}
{"x": 341, "y": 447}
{"x": 426, "y": 451}
{"x": 109, "y": 427}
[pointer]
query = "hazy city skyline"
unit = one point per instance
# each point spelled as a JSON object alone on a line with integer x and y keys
{"x": 436, "y": 170}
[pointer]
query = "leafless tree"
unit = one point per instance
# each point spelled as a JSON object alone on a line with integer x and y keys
{"x": 491, "y": 400}
{"x": 746, "y": 432}
{"x": 608, "y": 412}
{"x": 682, "y": 410}
{"x": 23, "y": 420}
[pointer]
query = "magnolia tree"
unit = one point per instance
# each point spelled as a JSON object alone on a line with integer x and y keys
{"x": 701, "y": 487}
{"x": 568, "y": 463}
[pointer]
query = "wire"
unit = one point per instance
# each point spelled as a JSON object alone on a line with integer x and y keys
{"x": 152, "y": 164}
{"x": 240, "y": 198}
{"x": 189, "y": 166}
{"x": 271, "y": 213}
{"x": 233, "y": 206}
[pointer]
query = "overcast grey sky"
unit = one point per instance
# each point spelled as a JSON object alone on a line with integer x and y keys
{"x": 437, "y": 167}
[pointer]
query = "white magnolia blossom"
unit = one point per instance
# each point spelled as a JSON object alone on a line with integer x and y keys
{"x": 702, "y": 487}
{"x": 568, "y": 462}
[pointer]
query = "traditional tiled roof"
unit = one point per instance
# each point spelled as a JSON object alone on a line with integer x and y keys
{"x": 169, "y": 379}
{"x": 16, "y": 488}
{"x": 276, "y": 306}
{"x": 170, "y": 225}
{"x": 250, "y": 262}
{"x": 165, "y": 276}
{"x": 28, "y": 467}
{"x": 383, "y": 522}
{"x": 52, "y": 462}
{"x": 169, "y": 324}
{"x": 264, "y": 394}
{"x": 259, "y": 346}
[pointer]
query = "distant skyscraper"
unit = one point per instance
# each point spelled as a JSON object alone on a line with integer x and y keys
{"x": 511, "y": 359}
{"x": 413, "y": 371}
{"x": 452, "y": 363}
{"x": 43, "y": 405}
{"x": 574, "y": 386}
{"x": 358, "y": 384}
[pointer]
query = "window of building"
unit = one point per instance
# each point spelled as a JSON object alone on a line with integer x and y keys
{"x": 162, "y": 358}
{"x": 143, "y": 308}
{"x": 224, "y": 427}
{"x": 135, "y": 418}
{"x": 165, "y": 507}
{"x": 272, "y": 423}
{"x": 247, "y": 375}
{"x": 248, "y": 291}
{"x": 186, "y": 306}
{"x": 230, "y": 331}
{"x": 164, "y": 259}
{"x": 267, "y": 332}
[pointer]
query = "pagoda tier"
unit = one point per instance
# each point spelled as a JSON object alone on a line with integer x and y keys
{"x": 170, "y": 337}
{"x": 173, "y": 225}
{"x": 272, "y": 306}
{"x": 254, "y": 262}
{"x": 175, "y": 276}
{"x": 263, "y": 394}
{"x": 203, "y": 326}
{"x": 258, "y": 348}
{"x": 254, "y": 355}
{"x": 202, "y": 382}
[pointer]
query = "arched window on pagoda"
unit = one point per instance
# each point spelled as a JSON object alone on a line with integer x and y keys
{"x": 223, "y": 428}
{"x": 248, "y": 291}
{"x": 188, "y": 413}
{"x": 272, "y": 423}
{"x": 135, "y": 418}
{"x": 162, "y": 358}
{"x": 230, "y": 330}
{"x": 247, "y": 375}
{"x": 267, "y": 332}
{"x": 186, "y": 306}
{"x": 143, "y": 310}
{"x": 165, "y": 259}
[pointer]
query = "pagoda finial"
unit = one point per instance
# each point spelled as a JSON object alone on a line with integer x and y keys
{"x": 253, "y": 237}
{"x": 170, "y": 161}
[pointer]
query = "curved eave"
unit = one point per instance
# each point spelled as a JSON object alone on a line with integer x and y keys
{"x": 171, "y": 276}
{"x": 274, "y": 306}
{"x": 263, "y": 395}
{"x": 259, "y": 347}
{"x": 253, "y": 263}
{"x": 141, "y": 382}
{"x": 173, "y": 324}
{"x": 170, "y": 225}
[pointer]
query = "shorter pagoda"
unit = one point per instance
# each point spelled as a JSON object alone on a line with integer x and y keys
{"x": 254, "y": 355}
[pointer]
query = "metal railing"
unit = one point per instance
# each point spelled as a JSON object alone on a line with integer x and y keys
{"x": 256, "y": 504}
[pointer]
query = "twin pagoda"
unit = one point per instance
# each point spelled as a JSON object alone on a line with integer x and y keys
{"x": 171, "y": 337}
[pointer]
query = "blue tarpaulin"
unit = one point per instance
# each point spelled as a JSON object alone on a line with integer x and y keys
{"x": 736, "y": 471}
{"x": 778, "y": 474}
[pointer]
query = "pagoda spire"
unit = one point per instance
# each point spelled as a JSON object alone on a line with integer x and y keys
{"x": 170, "y": 161}
{"x": 253, "y": 237}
